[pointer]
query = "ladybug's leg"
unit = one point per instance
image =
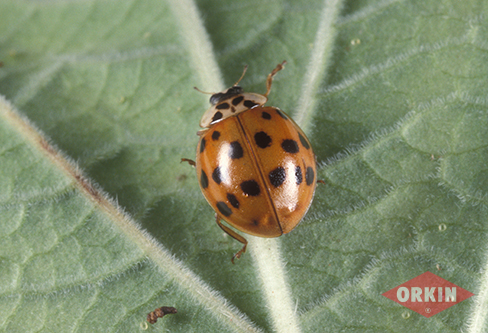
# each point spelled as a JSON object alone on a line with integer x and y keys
{"x": 234, "y": 235}
{"x": 321, "y": 181}
{"x": 202, "y": 132}
{"x": 191, "y": 162}
{"x": 271, "y": 75}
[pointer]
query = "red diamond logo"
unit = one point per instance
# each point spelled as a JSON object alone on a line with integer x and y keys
{"x": 428, "y": 294}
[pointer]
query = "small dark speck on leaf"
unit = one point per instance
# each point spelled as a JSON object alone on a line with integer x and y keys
{"x": 152, "y": 317}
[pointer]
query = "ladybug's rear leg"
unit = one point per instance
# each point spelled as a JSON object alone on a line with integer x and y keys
{"x": 234, "y": 235}
{"x": 191, "y": 162}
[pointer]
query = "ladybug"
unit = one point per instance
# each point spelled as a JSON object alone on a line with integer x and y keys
{"x": 255, "y": 166}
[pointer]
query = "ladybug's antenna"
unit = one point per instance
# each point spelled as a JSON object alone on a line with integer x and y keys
{"x": 203, "y": 92}
{"x": 271, "y": 75}
{"x": 235, "y": 84}
{"x": 243, "y": 73}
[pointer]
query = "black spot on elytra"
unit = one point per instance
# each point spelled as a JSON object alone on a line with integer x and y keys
{"x": 223, "y": 208}
{"x": 249, "y": 104}
{"x": 262, "y": 139}
{"x": 290, "y": 146}
{"x": 216, "y": 176}
{"x": 309, "y": 176}
{"x": 266, "y": 115}
{"x": 255, "y": 222}
{"x": 304, "y": 141}
{"x": 298, "y": 175}
{"x": 277, "y": 176}
{"x": 278, "y": 111}
{"x": 233, "y": 200}
{"x": 250, "y": 187}
{"x": 235, "y": 150}
{"x": 202, "y": 145}
{"x": 217, "y": 116}
{"x": 204, "y": 180}
{"x": 237, "y": 100}
{"x": 222, "y": 106}
{"x": 215, "y": 135}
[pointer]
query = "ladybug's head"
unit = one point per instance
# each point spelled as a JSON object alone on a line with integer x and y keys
{"x": 230, "y": 103}
{"x": 234, "y": 100}
{"x": 232, "y": 91}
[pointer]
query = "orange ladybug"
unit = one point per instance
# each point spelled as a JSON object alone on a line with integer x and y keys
{"x": 255, "y": 166}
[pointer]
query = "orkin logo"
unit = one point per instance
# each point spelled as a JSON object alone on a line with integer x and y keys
{"x": 428, "y": 294}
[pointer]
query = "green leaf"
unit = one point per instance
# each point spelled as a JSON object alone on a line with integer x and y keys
{"x": 100, "y": 224}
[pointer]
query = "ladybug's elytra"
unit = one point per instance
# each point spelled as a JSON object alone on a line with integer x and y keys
{"x": 255, "y": 166}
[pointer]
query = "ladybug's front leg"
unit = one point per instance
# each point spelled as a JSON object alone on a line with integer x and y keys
{"x": 271, "y": 75}
{"x": 234, "y": 235}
